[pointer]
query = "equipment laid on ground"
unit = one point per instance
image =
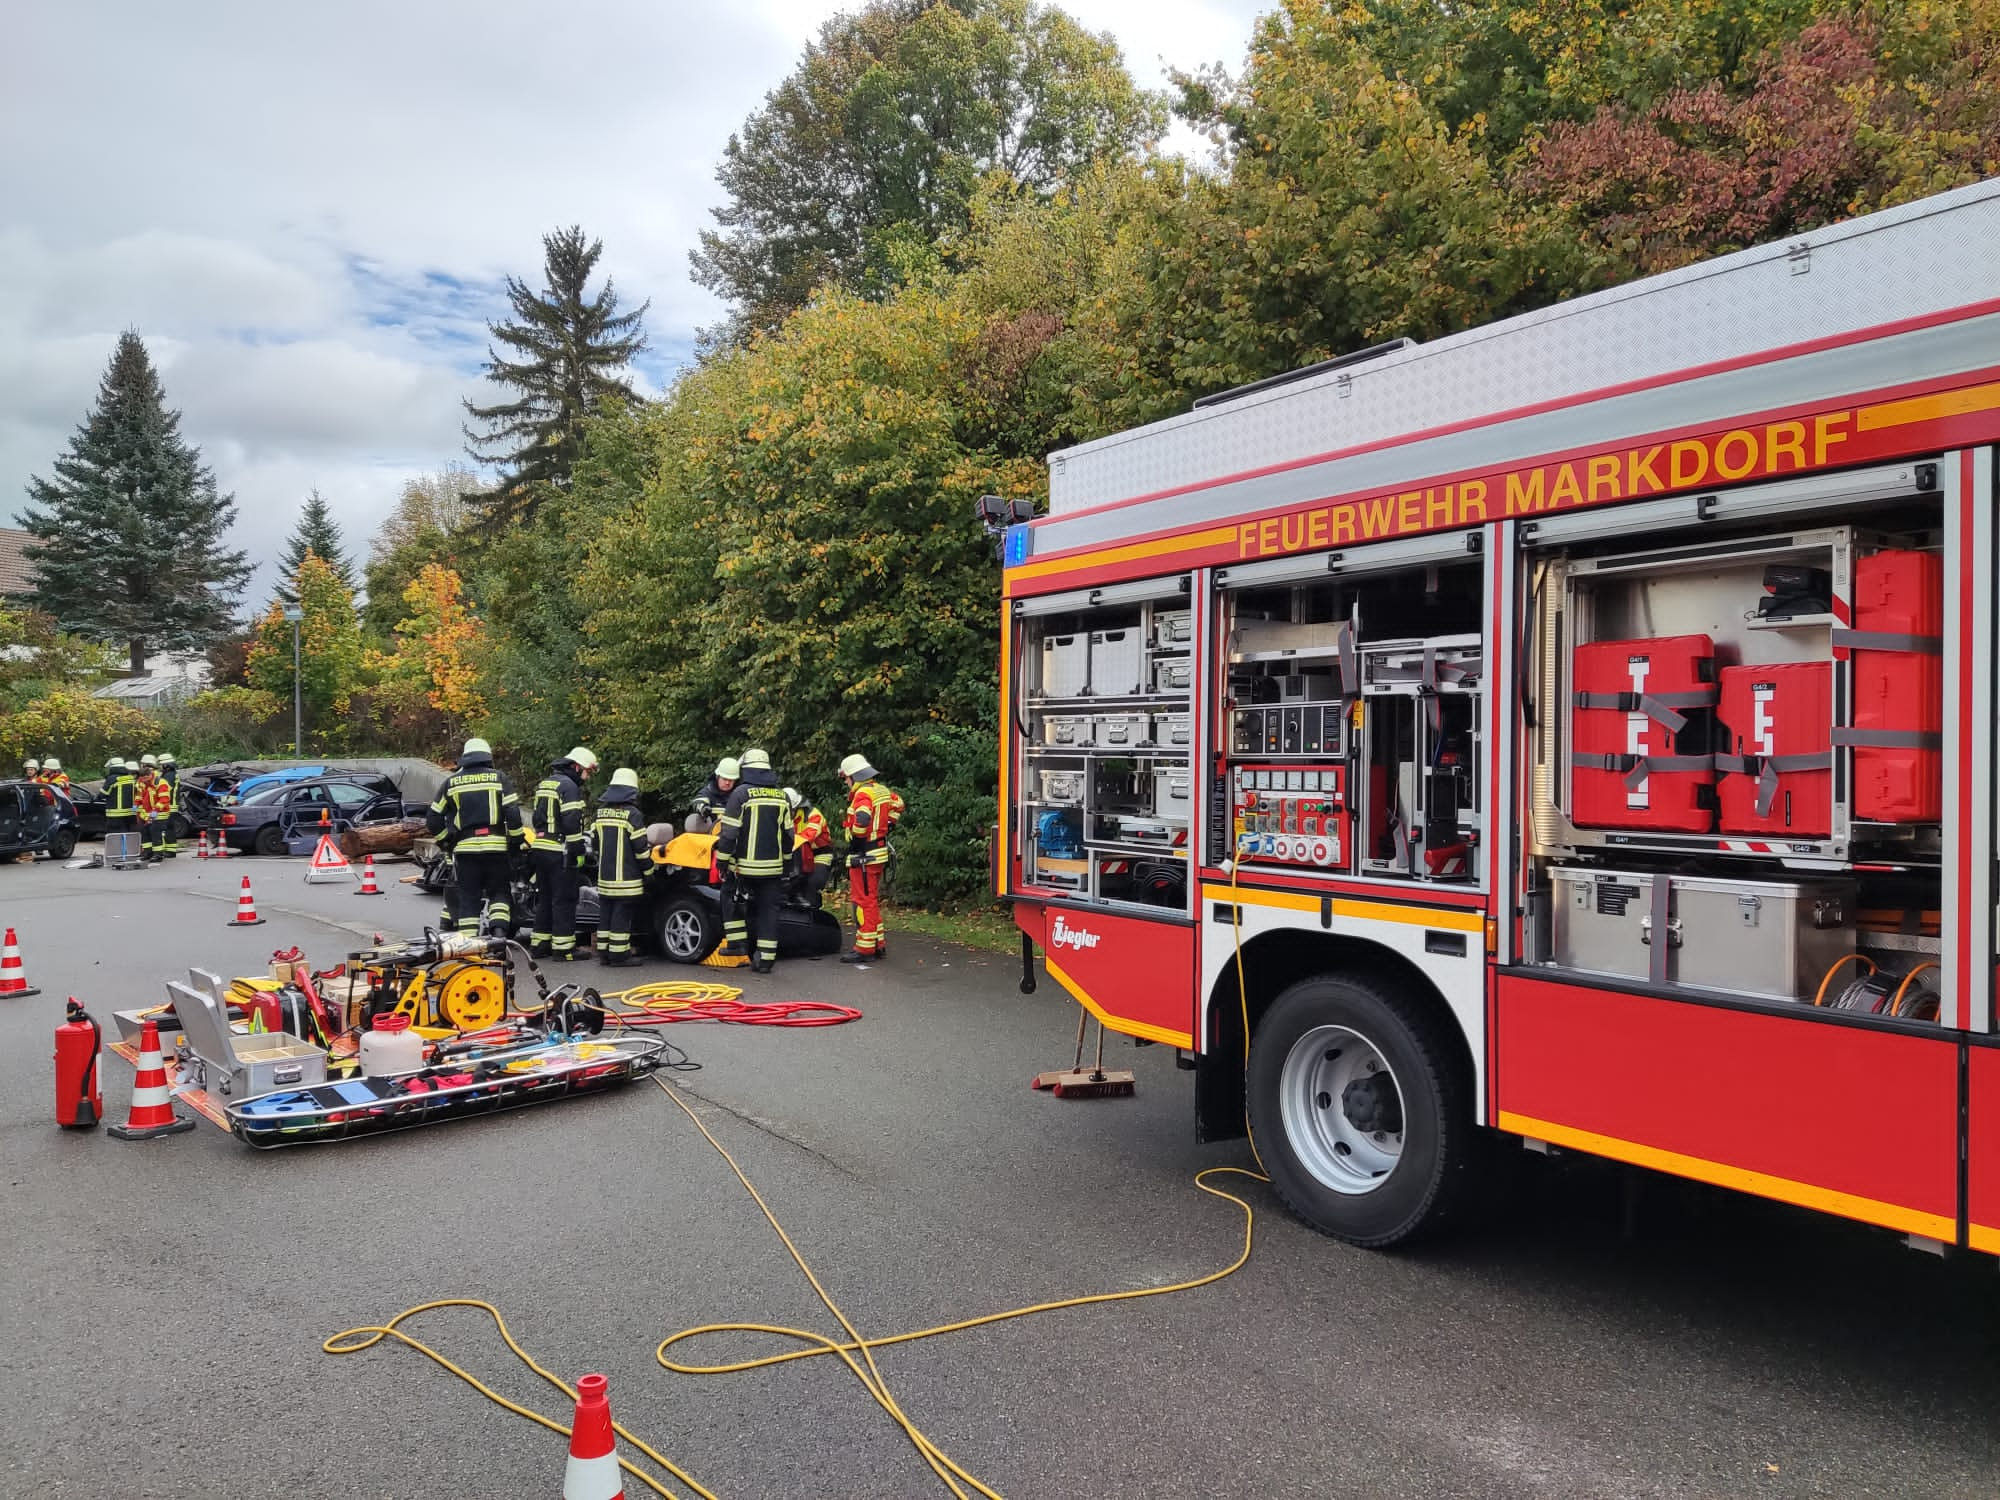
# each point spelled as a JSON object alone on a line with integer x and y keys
{"x": 471, "y": 1078}
{"x": 458, "y": 981}
{"x": 228, "y": 1066}
{"x": 1094, "y": 1082}
{"x": 152, "y": 1106}
{"x": 79, "y": 1042}
{"x": 13, "y": 976}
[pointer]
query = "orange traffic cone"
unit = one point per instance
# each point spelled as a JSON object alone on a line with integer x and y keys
{"x": 152, "y": 1107}
{"x": 201, "y": 844}
{"x": 13, "y": 978}
{"x": 246, "y": 908}
{"x": 592, "y": 1473}
{"x": 368, "y": 885}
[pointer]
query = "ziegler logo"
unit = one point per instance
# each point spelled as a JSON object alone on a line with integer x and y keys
{"x": 1071, "y": 937}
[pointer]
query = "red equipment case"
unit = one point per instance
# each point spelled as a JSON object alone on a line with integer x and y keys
{"x": 1898, "y": 694}
{"x": 1777, "y": 756}
{"x": 1641, "y": 734}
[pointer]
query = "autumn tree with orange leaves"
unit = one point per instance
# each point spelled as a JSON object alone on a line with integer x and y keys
{"x": 428, "y": 684}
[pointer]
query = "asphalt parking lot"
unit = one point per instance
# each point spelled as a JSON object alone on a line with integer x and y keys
{"x": 1604, "y": 1334}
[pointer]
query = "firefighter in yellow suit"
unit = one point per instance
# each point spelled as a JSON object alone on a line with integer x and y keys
{"x": 755, "y": 846}
{"x": 479, "y": 817}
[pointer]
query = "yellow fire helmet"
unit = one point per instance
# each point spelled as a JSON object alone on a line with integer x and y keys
{"x": 856, "y": 768}
{"x": 625, "y": 776}
{"x": 756, "y": 760}
{"x": 582, "y": 759}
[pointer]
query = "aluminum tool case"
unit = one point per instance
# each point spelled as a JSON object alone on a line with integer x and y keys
{"x": 1720, "y": 931}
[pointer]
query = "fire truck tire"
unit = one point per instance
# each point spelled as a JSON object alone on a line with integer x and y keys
{"x": 1360, "y": 1118}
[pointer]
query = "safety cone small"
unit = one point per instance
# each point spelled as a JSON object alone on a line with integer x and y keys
{"x": 201, "y": 844}
{"x": 246, "y": 908}
{"x": 152, "y": 1106}
{"x": 368, "y": 885}
{"x": 13, "y": 977}
{"x": 592, "y": 1473}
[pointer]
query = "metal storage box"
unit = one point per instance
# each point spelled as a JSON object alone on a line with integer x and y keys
{"x": 1065, "y": 666}
{"x": 1068, "y": 729}
{"x": 1172, "y": 794}
{"x": 1173, "y": 731}
{"x": 1771, "y": 938}
{"x": 1173, "y": 674}
{"x": 1122, "y": 731}
{"x": 1064, "y": 788}
{"x": 1173, "y": 627}
{"x": 1117, "y": 663}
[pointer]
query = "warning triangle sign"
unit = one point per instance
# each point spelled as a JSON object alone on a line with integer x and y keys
{"x": 328, "y": 863}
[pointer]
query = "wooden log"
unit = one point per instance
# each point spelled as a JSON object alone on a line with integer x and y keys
{"x": 381, "y": 838}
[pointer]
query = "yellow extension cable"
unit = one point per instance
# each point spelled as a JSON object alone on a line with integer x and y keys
{"x": 354, "y": 1340}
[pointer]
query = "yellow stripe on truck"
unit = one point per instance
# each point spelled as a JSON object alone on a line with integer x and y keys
{"x": 1448, "y": 919}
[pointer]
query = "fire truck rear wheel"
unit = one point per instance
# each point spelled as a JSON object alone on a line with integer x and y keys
{"x": 1360, "y": 1117}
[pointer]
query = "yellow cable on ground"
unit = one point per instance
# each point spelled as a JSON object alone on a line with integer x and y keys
{"x": 354, "y": 1340}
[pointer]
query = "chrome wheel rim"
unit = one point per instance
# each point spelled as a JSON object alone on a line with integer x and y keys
{"x": 1342, "y": 1109}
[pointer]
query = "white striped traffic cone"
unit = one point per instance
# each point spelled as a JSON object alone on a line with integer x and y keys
{"x": 246, "y": 908}
{"x": 368, "y": 885}
{"x": 201, "y": 844}
{"x": 592, "y": 1473}
{"x": 13, "y": 977}
{"x": 152, "y": 1107}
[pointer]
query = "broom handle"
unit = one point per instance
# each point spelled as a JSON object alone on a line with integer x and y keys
{"x": 1082, "y": 1020}
{"x": 1098, "y": 1072}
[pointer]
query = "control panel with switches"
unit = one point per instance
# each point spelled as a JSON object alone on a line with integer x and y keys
{"x": 1292, "y": 815}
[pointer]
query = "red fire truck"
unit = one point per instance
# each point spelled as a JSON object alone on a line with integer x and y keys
{"x": 1577, "y": 731}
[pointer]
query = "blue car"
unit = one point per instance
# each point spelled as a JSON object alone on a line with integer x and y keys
{"x": 268, "y": 819}
{"x": 250, "y": 785}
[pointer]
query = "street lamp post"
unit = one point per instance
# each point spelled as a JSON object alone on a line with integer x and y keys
{"x": 295, "y": 614}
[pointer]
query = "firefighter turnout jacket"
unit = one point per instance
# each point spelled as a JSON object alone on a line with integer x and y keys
{"x": 756, "y": 838}
{"x": 556, "y": 818}
{"x": 872, "y": 813}
{"x": 121, "y": 799}
{"x": 477, "y": 811}
{"x": 813, "y": 839}
{"x": 620, "y": 831}
{"x": 155, "y": 798}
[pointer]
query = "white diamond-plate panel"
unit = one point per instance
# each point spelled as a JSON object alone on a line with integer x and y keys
{"x": 1926, "y": 257}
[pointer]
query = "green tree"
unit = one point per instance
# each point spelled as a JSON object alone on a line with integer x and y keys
{"x": 329, "y": 647}
{"x": 318, "y": 533}
{"x": 128, "y": 534}
{"x": 430, "y": 523}
{"x": 566, "y": 349}
{"x": 36, "y": 658}
{"x": 876, "y": 143}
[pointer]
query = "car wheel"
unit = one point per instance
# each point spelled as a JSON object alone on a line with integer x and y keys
{"x": 63, "y": 844}
{"x": 1360, "y": 1111}
{"x": 688, "y": 929}
{"x": 178, "y": 828}
{"x": 270, "y": 840}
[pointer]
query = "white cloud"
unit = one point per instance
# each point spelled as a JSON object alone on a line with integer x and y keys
{"x": 308, "y": 211}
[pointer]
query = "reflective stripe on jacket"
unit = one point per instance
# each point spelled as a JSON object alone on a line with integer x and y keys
{"x": 872, "y": 812}
{"x": 756, "y": 828}
{"x": 121, "y": 795}
{"x": 621, "y": 846}
{"x": 811, "y": 836}
{"x": 155, "y": 798}
{"x": 557, "y": 815}
{"x": 476, "y": 810}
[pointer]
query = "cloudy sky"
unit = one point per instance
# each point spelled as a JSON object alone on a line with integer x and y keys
{"x": 307, "y": 210}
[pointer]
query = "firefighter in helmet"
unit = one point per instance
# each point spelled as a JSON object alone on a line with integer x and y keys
{"x": 710, "y": 800}
{"x": 31, "y": 769}
{"x": 556, "y": 849}
{"x": 620, "y": 831}
{"x": 121, "y": 797}
{"x": 480, "y": 817}
{"x": 873, "y": 810}
{"x": 812, "y": 849}
{"x": 54, "y": 774}
{"x": 170, "y": 774}
{"x": 155, "y": 804}
{"x": 755, "y": 846}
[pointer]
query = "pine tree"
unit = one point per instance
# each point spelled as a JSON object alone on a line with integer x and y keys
{"x": 571, "y": 348}
{"x": 128, "y": 535}
{"x": 319, "y": 534}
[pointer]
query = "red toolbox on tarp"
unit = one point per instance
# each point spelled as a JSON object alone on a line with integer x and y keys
{"x": 1897, "y": 732}
{"x": 1777, "y": 749}
{"x": 1641, "y": 719}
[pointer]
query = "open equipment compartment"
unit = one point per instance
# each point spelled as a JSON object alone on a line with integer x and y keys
{"x": 1352, "y": 715}
{"x": 1104, "y": 726}
{"x": 1737, "y": 767}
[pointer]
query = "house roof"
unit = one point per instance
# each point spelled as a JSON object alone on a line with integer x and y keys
{"x": 14, "y": 566}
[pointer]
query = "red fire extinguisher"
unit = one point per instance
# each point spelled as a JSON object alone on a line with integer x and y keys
{"x": 78, "y": 1041}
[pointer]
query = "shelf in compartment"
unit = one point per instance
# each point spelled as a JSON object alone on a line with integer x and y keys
{"x": 1796, "y": 622}
{"x": 1083, "y": 705}
{"x": 1096, "y": 752}
{"x": 1138, "y": 850}
{"x": 1287, "y": 653}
